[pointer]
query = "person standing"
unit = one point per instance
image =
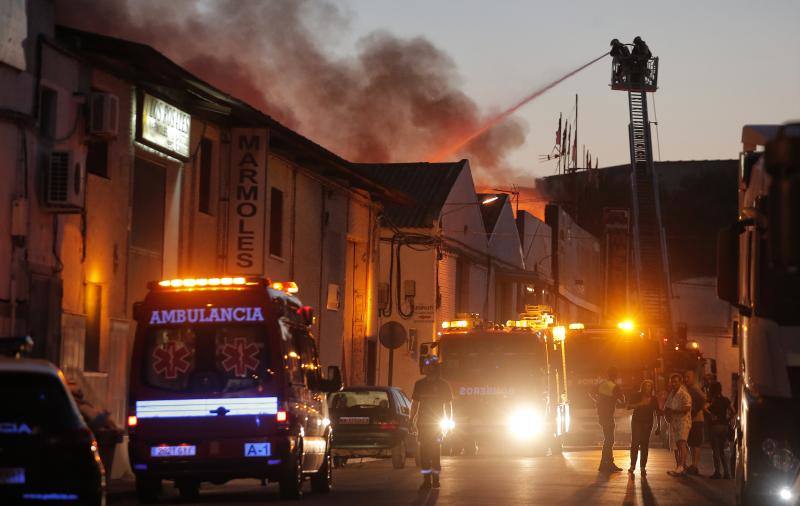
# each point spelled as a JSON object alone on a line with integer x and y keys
{"x": 606, "y": 398}
{"x": 718, "y": 416}
{"x": 621, "y": 59}
{"x": 432, "y": 399}
{"x": 644, "y": 409}
{"x": 695, "y": 440}
{"x": 677, "y": 409}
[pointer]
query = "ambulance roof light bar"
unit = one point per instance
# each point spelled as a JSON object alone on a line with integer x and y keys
{"x": 221, "y": 282}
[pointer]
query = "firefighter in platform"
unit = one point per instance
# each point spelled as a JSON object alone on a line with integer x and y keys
{"x": 622, "y": 56}
{"x": 432, "y": 415}
{"x": 607, "y": 397}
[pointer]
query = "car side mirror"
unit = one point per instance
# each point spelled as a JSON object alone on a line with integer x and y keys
{"x": 728, "y": 264}
{"x": 307, "y": 314}
{"x": 138, "y": 308}
{"x": 333, "y": 383}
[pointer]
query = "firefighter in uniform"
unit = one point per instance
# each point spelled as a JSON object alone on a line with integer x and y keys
{"x": 431, "y": 401}
{"x": 607, "y": 397}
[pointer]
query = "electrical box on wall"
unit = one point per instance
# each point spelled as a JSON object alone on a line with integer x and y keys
{"x": 383, "y": 295}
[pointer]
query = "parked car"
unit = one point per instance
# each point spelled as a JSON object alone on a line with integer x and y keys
{"x": 48, "y": 454}
{"x": 372, "y": 421}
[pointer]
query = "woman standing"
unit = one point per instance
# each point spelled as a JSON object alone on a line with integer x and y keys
{"x": 677, "y": 409}
{"x": 720, "y": 412}
{"x": 644, "y": 409}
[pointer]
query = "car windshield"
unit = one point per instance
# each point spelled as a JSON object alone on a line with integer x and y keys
{"x": 359, "y": 399}
{"x": 206, "y": 358}
{"x": 35, "y": 404}
{"x": 492, "y": 358}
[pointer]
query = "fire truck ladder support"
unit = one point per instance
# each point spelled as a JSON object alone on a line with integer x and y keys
{"x": 650, "y": 251}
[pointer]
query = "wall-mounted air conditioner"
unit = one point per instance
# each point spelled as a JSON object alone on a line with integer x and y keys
{"x": 103, "y": 115}
{"x": 65, "y": 182}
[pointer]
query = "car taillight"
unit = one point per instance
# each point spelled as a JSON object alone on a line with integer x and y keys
{"x": 387, "y": 426}
{"x": 133, "y": 421}
{"x": 281, "y": 417}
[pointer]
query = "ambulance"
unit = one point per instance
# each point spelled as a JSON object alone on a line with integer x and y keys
{"x": 225, "y": 383}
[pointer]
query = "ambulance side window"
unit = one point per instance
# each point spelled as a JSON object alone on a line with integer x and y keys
{"x": 291, "y": 353}
{"x": 308, "y": 355}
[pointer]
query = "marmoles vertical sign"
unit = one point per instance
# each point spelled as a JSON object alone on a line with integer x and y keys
{"x": 247, "y": 201}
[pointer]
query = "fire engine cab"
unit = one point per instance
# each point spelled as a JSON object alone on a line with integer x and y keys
{"x": 225, "y": 383}
{"x": 507, "y": 389}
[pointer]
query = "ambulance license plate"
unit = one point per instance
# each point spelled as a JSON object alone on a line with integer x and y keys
{"x": 12, "y": 475}
{"x": 354, "y": 420}
{"x": 257, "y": 450}
{"x": 173, "y": 451}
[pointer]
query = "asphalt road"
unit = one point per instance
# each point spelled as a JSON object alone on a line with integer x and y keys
{"x": 571, "y": 478}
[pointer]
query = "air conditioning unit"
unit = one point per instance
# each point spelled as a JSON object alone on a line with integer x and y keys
{"x": 103, "y": 115}
{"x": 65, "y": 183}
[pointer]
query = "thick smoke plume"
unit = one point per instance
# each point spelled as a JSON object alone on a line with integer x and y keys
{"x": 394, "y": 100}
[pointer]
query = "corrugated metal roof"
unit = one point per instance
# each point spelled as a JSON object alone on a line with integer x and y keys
{"x": 491, "y": 211}
{"x": 428, "y": 184}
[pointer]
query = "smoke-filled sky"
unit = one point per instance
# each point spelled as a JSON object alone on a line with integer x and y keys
{"x": 379, "y": 80}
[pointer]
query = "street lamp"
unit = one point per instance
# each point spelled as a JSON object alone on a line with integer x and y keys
{"x": 461, "y": 205}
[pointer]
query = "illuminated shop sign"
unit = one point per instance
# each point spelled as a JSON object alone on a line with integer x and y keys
{"x": 163, "y": 126}
{"x": 247, "y": 200}
{"x": 206, "y": 315}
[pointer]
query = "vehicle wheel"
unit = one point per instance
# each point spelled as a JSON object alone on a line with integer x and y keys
{"x": 399, "y": 455}
{"x": 147, "y": 490}
{"x": 188, "y": 489}
{"x": 339, "y": 462}
{"x": 291, "y": 484}
{"x": 322, "y": 481}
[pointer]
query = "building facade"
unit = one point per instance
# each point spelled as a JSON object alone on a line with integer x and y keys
{"x": 123, "y": 168}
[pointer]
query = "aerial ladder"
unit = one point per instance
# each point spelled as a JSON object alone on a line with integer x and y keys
{"x": 651, "y": 264}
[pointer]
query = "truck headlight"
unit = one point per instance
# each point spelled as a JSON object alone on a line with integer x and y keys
{"x": 524, "y": 423}
{"x": 447, "y": 424}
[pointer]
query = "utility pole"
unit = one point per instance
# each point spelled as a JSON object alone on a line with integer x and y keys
{"x": 575, "y": 144}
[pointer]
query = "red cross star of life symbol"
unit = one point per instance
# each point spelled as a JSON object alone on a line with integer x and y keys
{"x": 170, "y": 359}
{"x": 240, "y": 356}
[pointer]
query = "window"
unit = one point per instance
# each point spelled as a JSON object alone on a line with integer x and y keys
{"x": 48, "y": 112}
{"x": 276, "y": 223}
{"x": 206, "y": 358}
{"x": 206, "y": 152}
{"x": 94, "y": 309}
{"x": 97, "y": 158}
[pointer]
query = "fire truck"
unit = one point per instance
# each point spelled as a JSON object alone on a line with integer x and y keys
{"x": 635, "y": 352}
{"x": 225, "y": 383}
{"x": 507, "y": 387}
{"x": 590, "y": 351}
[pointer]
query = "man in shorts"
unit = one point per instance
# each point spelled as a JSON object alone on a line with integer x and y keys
{"x": 695, "y": 440}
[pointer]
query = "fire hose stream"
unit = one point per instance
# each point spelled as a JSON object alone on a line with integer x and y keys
{"x": 495, "y": 120}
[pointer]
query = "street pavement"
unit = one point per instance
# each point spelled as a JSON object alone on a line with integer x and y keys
{"x": 571, "y": 478}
